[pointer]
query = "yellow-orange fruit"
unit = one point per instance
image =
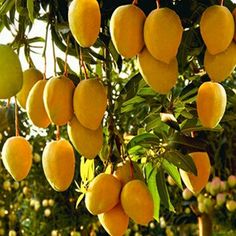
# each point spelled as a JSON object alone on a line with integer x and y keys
{"x": 58, "y": 99}
{"x": 90, "y": 102}
{"x": 137, "y": 202}
{"x": 163, "y": 33}
{"x": 84, "y": 21}
{"x": 221, "y": 65}
{"x": 126, "y": 28}
{"x": 86, "y": 141}
{"x": 30, "y": 77}
{"x": 217, "y": 28}
{"x": 211, "y": 103}
{"x": 59, "y": 164}
{"x": 161, "y": 77}
{"x": 196, "y": 183}
{"x": 234, "y": 15}
{"x": 17, "y": 157}
{"x": 115, "y": 221}
{"x": 124, "y": 172}
{"x": 35, "y": 106}
{"x": 102, "y": 194}
{"x": 11, "y": 79}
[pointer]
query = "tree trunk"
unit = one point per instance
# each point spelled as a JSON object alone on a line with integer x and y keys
{"x": 205, "y": 225}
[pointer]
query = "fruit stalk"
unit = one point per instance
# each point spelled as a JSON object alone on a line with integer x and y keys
{"x": 135, "y": 2}
{"x": 58, "y": 133}
{"x": 82, "y": 65}
{"x": 16, "y": 118}
{"x": 158, "y": 4}
{"x": 205, "y": 225}
{"x": 222, "y": 3}
{"x": 66, "y": 55}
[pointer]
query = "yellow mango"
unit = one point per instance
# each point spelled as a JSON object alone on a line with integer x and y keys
{"x": 196, "y": 183}
{"x": 115, "y": 221}
{"x": 59, "y": 164}
{"x": 137, "y": 202}
{"x": 102, "y": 194}
{"x": 162, "y": 34}
{"x": 17, "y": 157}
{"x": 30, "y": 77}
{"x": 58, "y": 99}
{"x": 161, "y": 77}
{"x": 84, "y": 21}
{"x": 35, "y": 107}
{"x": 221, "y": 65}
{"x": 11, "y": 78}
{"x": 86, "y": 141}
{"x": 126, "y": 28}
{"x": 211, "y": 103}
{"x": 234, "y": 15}
{"x": 90, "y": 102}
{"x": 217, "y": 28}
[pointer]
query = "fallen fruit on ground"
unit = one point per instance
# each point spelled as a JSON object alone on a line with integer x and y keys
{"x": 58, "y": 99}
{"x": 129, "y": 19}
{"x": 211, "y": 104}
{"x": 102, "y": 194}
{"x": 30, "y": 77}
{"x": 137, "y": 202}
{"x": 84, "y": 21}
{"x": 196, "y": 183}
{"x": 163, "y": 33}
{"x": 161, "y": 77}
{"x": 86, "y": 141}
{"x": 11, "y": 79}
{"x": 35, "y": 106}
{"x": 90, "y": 102}
{"x": 115, "y": 221}
{"x": 17, "y": 157}
{"x": 59, "y": 164}
{"x": 217, "y": 28}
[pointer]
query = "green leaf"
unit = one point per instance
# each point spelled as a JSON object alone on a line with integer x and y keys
{"x": 30, "y": 7}
{"x": 162, "y": 190}
{"x": 152, "y": 186}
{"x": 172, "y": 170}
{"x": 6, "y": 6}
{"x": 80, "y": 198}
{"x": 143, "y": 139}
{"x": 184, "y": 162}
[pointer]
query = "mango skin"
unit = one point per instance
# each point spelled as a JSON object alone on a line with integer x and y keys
{"x": 234, "y": 15}
{"x": 84, "y": 21}
{"x": 162, "y": 34}
{"x": 102, "y": 194}
{"x": 90, "y": 102}
{"x": 129, "y": 19}
{"x": 137, "y": 202}
{"x": 35, "y": 106}
{"x": 211, "y": 103}
{"x": 58, "y": 162}
{"x": 161, "y": 77}
{"x": 221, "y": 65}
{"x": 58, "y": 99}
{"x": 17, "y": 157}
{"x": 87, "y": 142}
{"x": 30, "y": 77}
{"x": 196, "y": 183}
{"x": 217, "y": 28}
{"x": 11, "y": 78}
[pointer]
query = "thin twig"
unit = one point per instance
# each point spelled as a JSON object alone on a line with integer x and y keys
{"x": 66, "y": 55}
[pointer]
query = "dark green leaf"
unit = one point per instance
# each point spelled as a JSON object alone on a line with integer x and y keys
{"x": 170, "y": 120}
{"x": 30, "y": 7}
{"x": 6, "y": 6}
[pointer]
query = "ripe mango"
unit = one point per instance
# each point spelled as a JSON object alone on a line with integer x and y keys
{"x": 234, "y": 15}
{"x": 161, "y": 77}
{"x": 86, "y": 141}
{"x": 59, "y": 164}
{"x": 102, "y": 194}
{"x": 126, "y": 28}
{"x": 196, "y": 183}
{"x": 17, "y": 157}
{"x": 84, "y": 21}
{"x": 30, "y": 77}
{"x": 217, "y": 28}
{"x": 58, "y": 99}
{"x": 35, "y": 107}
{"x": 162, "y": 34}
{"x": 90, "y": 102}
{"x": 221, "y": 65}
{"x": 137, "y": 202}
{"x": 211, "y": 103}
{"x": 11, "y": 78}
{"x": 115, "y": 221}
